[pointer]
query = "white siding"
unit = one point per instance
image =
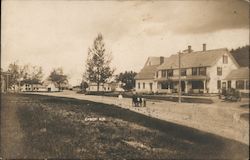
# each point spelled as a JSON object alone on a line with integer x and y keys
{"x": 212, "y": 73}
{"x": 147, "y": 86}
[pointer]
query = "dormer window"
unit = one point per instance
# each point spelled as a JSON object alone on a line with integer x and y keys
{"x": 225, "y": 59}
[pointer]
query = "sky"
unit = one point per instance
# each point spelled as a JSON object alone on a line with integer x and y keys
{"x": 58, "y": 33}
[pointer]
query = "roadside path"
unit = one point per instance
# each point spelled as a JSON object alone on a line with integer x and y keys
{"x": 11, "y": 133}
{"x": 220, "y": 118}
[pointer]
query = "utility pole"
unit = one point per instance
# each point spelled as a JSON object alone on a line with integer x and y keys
{"x": 179, "y": 55}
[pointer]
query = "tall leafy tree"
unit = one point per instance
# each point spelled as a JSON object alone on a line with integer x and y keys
{"x": 31, "y": 74}
{"x": 128, "y": 78}
{"x": 98, "y": 69}
{"x": 14, "y": 73}
{"x": 24, "y": 74}
{"x": 84, "y": 85}
{"x": 241, "y": 55}
{"x": 58, "y": 77}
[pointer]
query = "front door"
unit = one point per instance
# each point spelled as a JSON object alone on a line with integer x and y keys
{"x": 229, "y": 84}
{"x": 224, "y": 85}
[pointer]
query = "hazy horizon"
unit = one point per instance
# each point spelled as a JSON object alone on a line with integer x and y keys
{"x": 55, "y": 34}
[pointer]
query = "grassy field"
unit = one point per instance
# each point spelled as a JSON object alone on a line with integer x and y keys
{"x": 62, "y": 128}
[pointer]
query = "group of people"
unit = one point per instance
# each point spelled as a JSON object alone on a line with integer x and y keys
{"x": 138, "y": 101}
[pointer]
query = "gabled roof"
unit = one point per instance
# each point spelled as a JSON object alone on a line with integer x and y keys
{"x": 150, "y": 67}
{"x": 147, "y": 72}
{"x": 238, "y": 74}
{"x": 195, "y": 59}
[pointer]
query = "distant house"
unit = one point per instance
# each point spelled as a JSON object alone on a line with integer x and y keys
{"x": 45, "y": 87}
{"x": 102, "y": 87}
{"x": 51, "y": 87}
{"x": 201, "y": 72}
{"x": 145, "y": 79}
{"x": 238, "y": 79}
{"x": 105, "y": 87}
{"x": 30, "y": 87}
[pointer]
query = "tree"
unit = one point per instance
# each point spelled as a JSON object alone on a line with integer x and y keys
{"x": 128, "y": 78}
{"x": 241, "y": 55}
{"x": 58, "y": 77}
{"x": 14, "y": 74}
{"x": 84, "y": 85}
{"x": 24, "y": 74}
{"x": 31, "y": 74}
{"x": 98, "y": 68}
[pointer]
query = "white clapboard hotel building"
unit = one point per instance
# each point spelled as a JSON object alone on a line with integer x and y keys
{"x": 206, "y": 71}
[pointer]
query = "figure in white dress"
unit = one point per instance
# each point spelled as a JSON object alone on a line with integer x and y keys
{"x": 120, "y": 97}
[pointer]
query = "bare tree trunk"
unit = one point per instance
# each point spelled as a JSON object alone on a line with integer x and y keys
{"x": 98, "y": 80}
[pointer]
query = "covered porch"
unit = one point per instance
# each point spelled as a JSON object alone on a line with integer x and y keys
{"x": 188, "y": 86}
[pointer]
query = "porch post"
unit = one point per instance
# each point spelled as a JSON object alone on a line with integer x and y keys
{"x": 245, "y": 84}
{"x": 169, "y": 87}
{"x": 155, "y": 87}
{"x": 186, "y": 88}
{"x": 204, "y": 86}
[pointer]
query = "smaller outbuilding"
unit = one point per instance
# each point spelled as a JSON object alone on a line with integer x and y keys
{"x": 238, "y": 79}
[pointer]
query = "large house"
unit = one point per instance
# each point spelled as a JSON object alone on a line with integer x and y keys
{"x": 201, "y": 72}
{"x": 145, "y": 79}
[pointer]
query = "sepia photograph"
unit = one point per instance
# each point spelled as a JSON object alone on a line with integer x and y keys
{"x": 125, "y": 79}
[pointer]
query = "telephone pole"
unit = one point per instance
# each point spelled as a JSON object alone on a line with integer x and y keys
{"x": 179, "y": 56}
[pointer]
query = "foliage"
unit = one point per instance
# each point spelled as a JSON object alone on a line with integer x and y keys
{"x": 24, "y": 74}
{"x": 31, "y": 74}
{"x": 98, "y": 68}
{"x": 14, "y": 74}
{"x": 128, "y": 78}
{"x": 58, "y": 77}
{"x": 241, "y": 55}
{"x": 84, "y": 85}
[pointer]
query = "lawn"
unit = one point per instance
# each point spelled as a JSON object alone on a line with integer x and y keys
{"x": 69, "y": 128}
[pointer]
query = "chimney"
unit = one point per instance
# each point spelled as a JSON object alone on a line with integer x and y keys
{"x": 204, "y": 47}
{"x": 161, "y": 60}
{"x": 189, "y": 49}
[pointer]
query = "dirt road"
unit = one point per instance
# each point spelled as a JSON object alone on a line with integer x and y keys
{"x": 221, "y": 118}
